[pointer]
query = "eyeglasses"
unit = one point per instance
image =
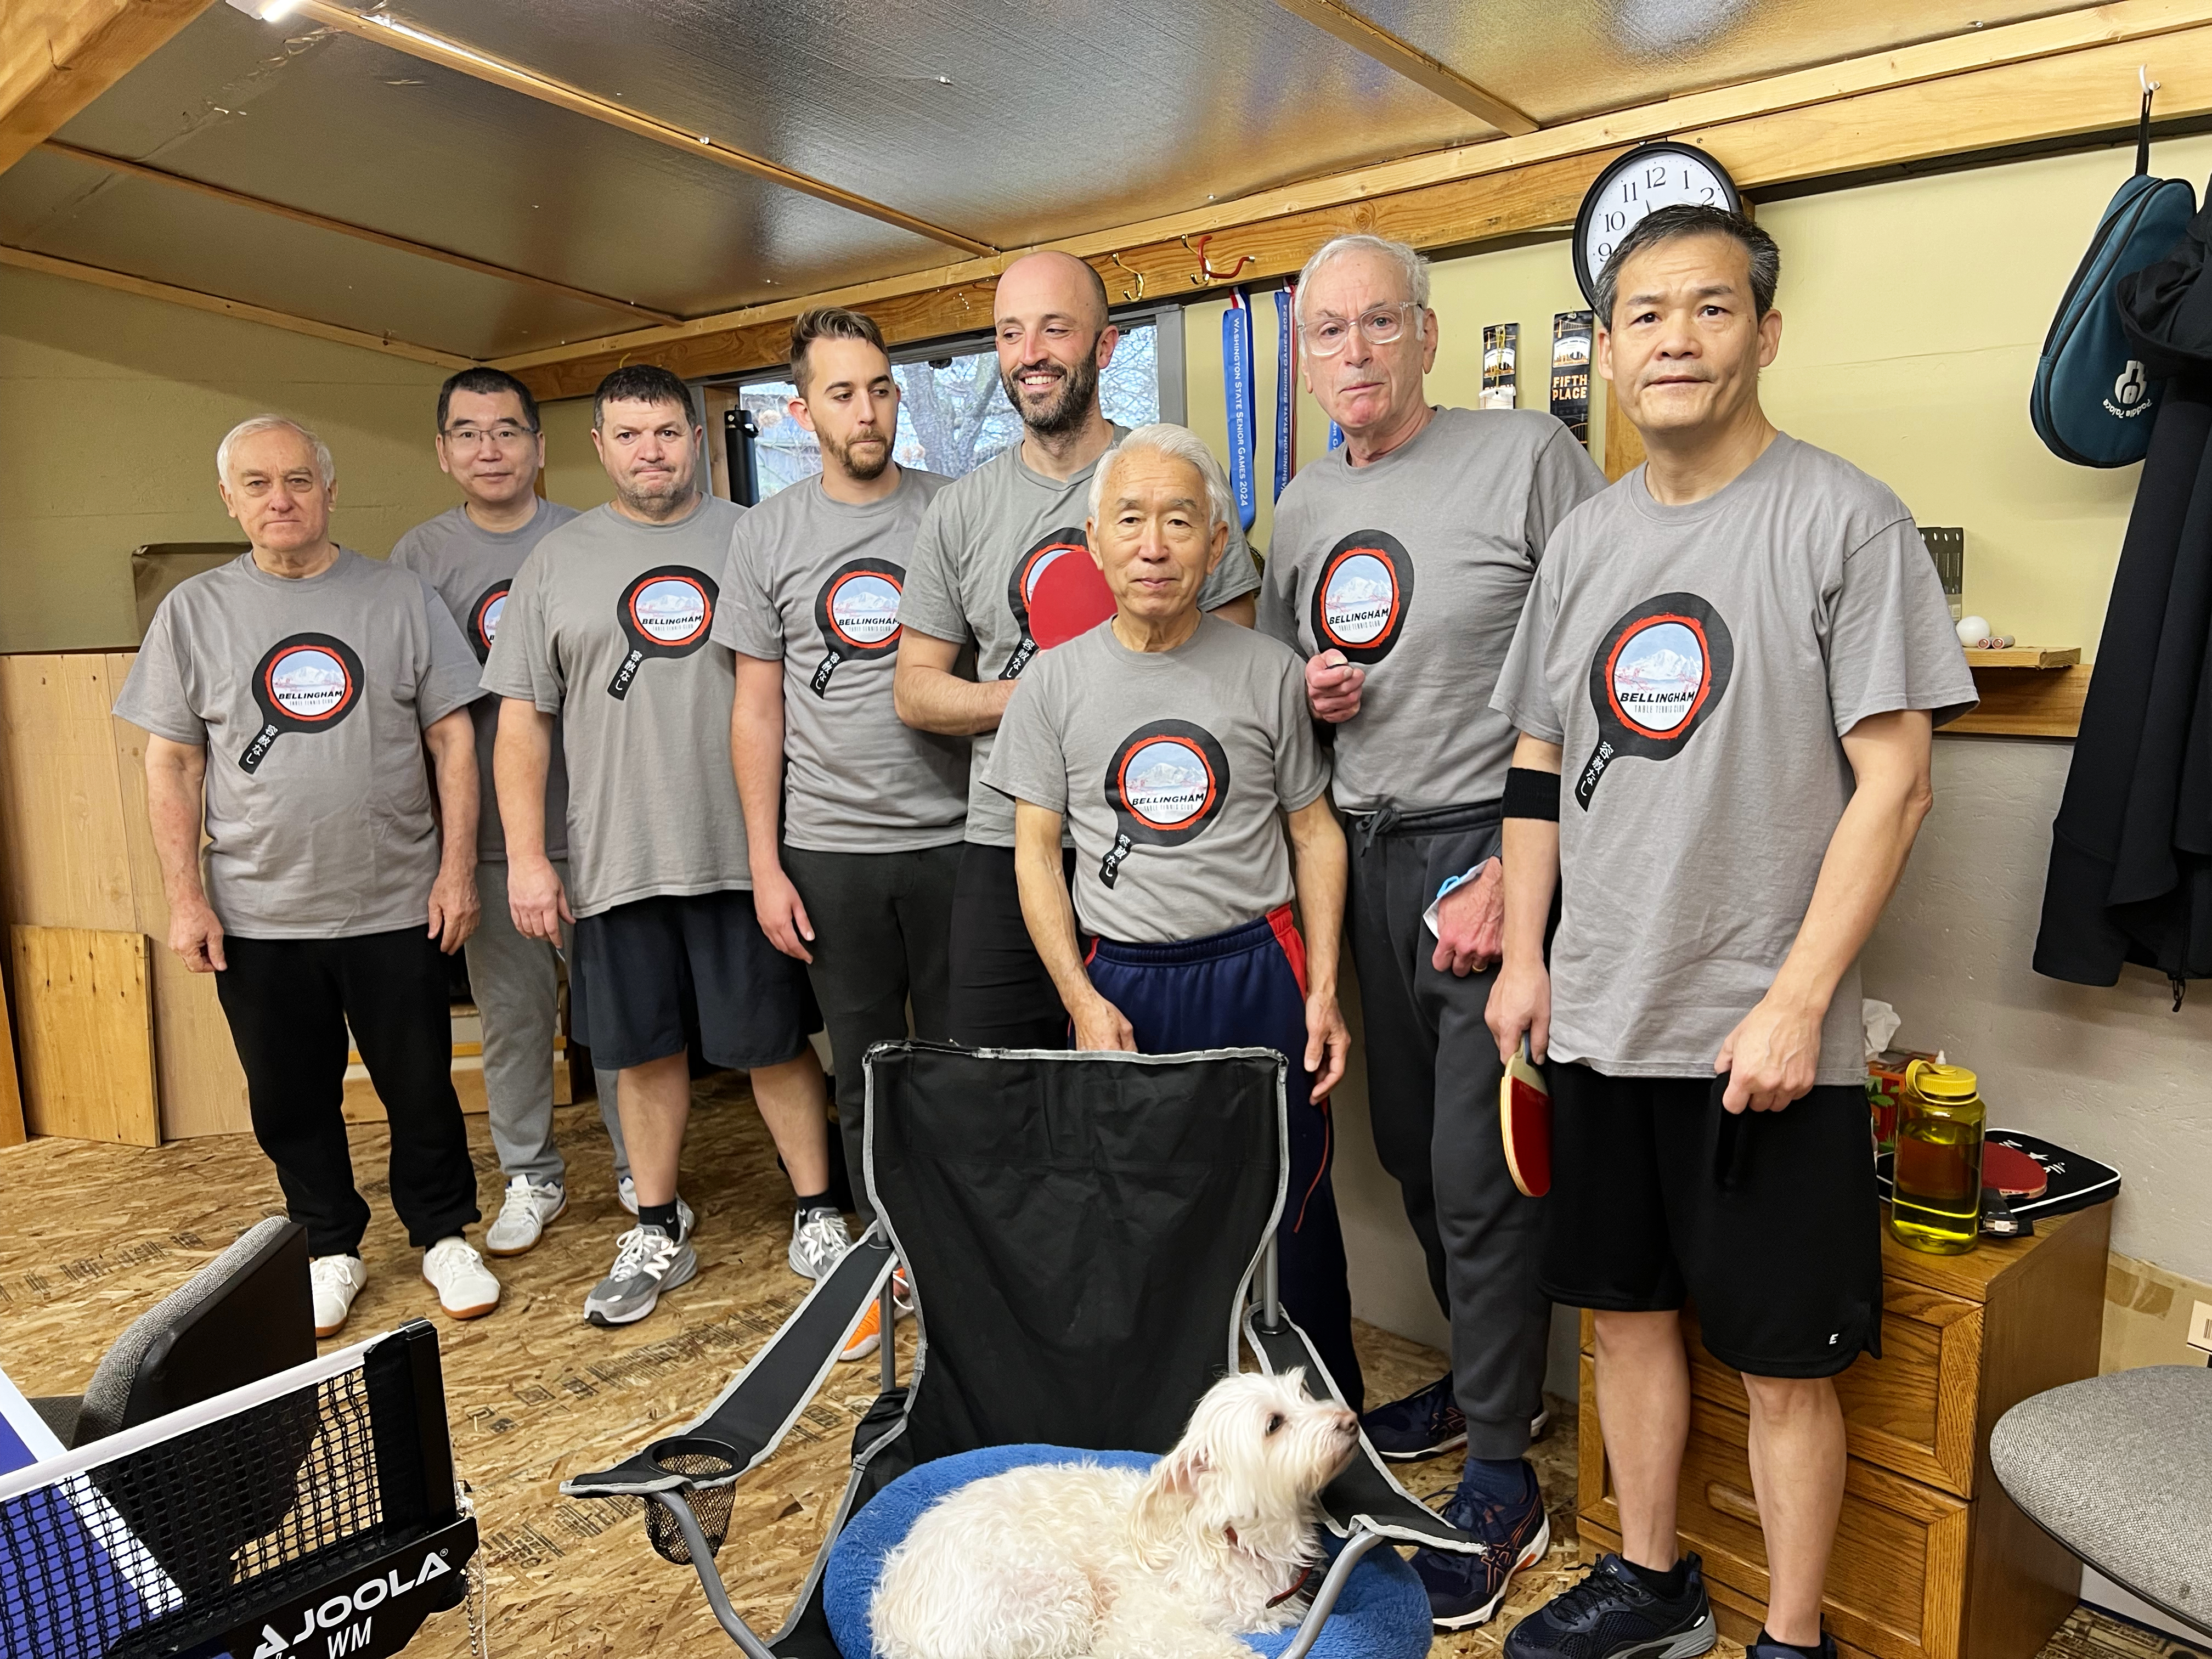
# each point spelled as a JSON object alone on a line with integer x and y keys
{"x": 1380, "y": 326}
{"x": 473, "y": 437}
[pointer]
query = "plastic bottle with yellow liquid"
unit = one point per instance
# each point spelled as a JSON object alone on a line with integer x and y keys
{"x": 1937, "y": 1205}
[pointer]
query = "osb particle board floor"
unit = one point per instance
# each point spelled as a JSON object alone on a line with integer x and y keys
{"x": 94, "y": 1234}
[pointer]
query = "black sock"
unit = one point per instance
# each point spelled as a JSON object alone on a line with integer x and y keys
{"x": 1665, "y": 1585}
{"x": 663, "y": 1215}
{"x": 1766, "y": 1640}
{"x": 812, "y": 1201}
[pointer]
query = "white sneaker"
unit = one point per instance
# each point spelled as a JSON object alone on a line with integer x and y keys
{"x": 528, "y": 1209}
{"x": 336, "y": 1281}
{"x": 818, "y": 1238}
{"x": 464, "y": 1286}
{"x": 626, "y": 1195}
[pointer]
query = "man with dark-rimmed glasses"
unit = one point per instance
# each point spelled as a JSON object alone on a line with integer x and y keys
{"x": 1398, "y": 568}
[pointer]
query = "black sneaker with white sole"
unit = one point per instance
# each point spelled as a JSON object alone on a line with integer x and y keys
{"x": 1426, "y": 1423}
{"x": 1612, "y": 1614}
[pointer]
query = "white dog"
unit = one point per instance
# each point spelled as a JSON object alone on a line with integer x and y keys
{"x": 1060, "y": 1561}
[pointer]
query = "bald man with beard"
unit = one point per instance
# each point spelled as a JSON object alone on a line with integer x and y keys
{"x": 1000, "y": 565}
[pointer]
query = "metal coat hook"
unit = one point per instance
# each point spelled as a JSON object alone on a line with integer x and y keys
{"x": 2142, "y": 75}
{"x": 1207, "y": 275}
{"x": 1136, "y": 293}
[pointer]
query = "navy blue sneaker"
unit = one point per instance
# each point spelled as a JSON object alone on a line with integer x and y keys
{"x": 1767, "y": 1648}
{"x": 1611, "y": 1614}
{"x": 1425, "y": 1422}
{"x": 1465, "y": 1590}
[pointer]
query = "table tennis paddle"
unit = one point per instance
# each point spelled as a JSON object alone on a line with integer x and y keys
{"x": 1524, "y": 1124}
{"x": 2012, "y": 1171}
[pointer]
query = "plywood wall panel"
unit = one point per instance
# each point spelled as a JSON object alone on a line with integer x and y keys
{"x": 85, "y": 1007}
{"x": 67, "y": 863}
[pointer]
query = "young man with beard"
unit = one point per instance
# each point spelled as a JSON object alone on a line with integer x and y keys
{"x": 605, "y": 631}
{"x": 857, "y": 883}
{"x": 1000, "y": 564}
{"x": 489, "y": 445}
{"x": 1742, "y": 650}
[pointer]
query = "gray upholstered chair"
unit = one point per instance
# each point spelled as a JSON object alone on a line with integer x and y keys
{"x": 2118, "y": 1469}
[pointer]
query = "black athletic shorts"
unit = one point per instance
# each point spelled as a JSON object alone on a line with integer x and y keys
{"x": 1767, "y": 1220}
{"x": 650, "y": 978}
{"x": 1002, "y": 997}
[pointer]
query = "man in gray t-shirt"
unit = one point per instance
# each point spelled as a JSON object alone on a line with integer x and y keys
{"x": 1725, "y": 682}
{"x": 606, "y": 632}
{"x": 289, "y": 698}
{"x": 1177, "y": 747}
{"x": 488, "y": 443}
{"x": 1001, "y": 568}
{"x": 857, "y": 883}
{"x": 1397, "y": 569}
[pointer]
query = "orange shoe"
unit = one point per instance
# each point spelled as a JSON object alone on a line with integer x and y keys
{"x": 868, "y": 1335}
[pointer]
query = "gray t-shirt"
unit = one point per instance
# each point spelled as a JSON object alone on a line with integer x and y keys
{"x": 1173, "y": 767}
{"x": 606, "y": 626}
{"x": 1698, "y": 666}
{"x": 816, "y": 583}
{"x": 1415, "y": 567}
{"x": 472, "y": 567}
{"x": 1001, "y": 561}
{"x": 310, "y": 697}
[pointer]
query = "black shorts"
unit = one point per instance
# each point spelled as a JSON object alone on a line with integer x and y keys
{"x": 655, "y": 977}
{"x": 1002, "y": 997}
{"x": 1768, "y": 1220}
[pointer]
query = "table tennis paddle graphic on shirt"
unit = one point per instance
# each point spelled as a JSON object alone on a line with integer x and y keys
{"x": 1056, "y": 593}
{"x": 1362, "y": 597}
{"x": 1658, "y": 675}
{"x": 1524, "y": 1124}
{"x": 307, "y": 683}
{"x": 483, "y": 619}
{"x": 857, "y": 611}
{"x": 666, "y": 612}
{"x": 1166, "y": 783}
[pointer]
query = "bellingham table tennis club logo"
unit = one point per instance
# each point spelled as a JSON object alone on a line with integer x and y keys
{"x": 1658, "y": 675}
{"x": 1359, "y": 604}
{"x": 483, "y": 619}
{"x": 307, "y": 683}
{"x": 1055, "y": 593}
{"x": 1166, "y": 783}
{"x": 857, "y": 611}
{"x": 664, "y": 613}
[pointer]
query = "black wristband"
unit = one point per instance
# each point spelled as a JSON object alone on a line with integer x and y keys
{"x": 1531, "y": 794}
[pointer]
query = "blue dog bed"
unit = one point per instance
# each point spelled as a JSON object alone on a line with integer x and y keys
{"x": 1383, "y": 1612}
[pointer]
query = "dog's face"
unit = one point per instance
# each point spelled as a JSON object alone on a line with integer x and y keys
{"x": 1255, "y": 1457}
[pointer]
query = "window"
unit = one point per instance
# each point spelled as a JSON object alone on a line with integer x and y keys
{"x": 953, "y": 414}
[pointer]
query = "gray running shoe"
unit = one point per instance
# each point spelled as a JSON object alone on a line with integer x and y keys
{"x": 818, "y": 1239}
{"x": 646, "y": 1262}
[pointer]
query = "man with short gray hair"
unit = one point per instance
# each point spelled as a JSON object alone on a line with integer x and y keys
{"x": 1398, "y": 568}
{"x": 289, "y": 698}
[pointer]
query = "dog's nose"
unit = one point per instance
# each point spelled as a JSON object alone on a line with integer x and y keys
{"x": 1346, "y": 1422}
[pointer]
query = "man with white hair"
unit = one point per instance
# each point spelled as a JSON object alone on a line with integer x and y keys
{"x": 287, "y": 699}
{"x": 1177, "y": 748}
{"x": 998, "y": 563}
{"x": 1398, "y": 569}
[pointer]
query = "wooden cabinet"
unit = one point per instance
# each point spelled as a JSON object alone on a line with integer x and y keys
{"x": 1932, "y": 1559}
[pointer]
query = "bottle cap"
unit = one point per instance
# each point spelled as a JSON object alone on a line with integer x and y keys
{"x": 1935, "y": 1081}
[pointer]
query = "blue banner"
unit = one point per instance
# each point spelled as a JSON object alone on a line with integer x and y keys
{"x": 1237, "y": 383}
{"x": 1287, "y": 389}
{"x": 1335, "y": 435}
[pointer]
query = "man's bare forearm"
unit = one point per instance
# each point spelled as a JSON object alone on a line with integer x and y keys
{"x": 1530, "y": 857}
{"x": 176, "y": 774}
{"x": 453, "y": 745}
{"x": 756, "y": 757}
{"x": 1318, "y": 873}
{"x": 930, "y": 697}
{"x": 1046, "y": 910}
{"x": 520, "y": 758}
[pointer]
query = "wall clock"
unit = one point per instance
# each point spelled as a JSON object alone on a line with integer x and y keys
{"x": 1655, "y": 175}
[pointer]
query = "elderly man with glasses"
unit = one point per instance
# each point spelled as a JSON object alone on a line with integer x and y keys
{"x": 1398, "y": 569}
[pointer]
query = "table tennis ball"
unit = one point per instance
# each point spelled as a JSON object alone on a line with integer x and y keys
{"x": 1972, "y": 630}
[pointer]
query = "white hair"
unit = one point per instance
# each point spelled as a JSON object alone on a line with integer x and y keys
{"x": 1165, "y": 438}
{"x": 258, "y": 424}
{"x": 1415, "y": 267}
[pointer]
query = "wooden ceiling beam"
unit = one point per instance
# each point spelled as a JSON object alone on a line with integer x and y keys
{"x": 24, "y": 258}
{"x": 1371, "y": 40}
{"x": 56, "y": 56}
{"x": 300, "y": 216}
{"x": 2075, "y": 72}
{"x": 401, "y": 36}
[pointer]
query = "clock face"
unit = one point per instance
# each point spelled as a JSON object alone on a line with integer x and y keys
{"x": 1654, "y": 176}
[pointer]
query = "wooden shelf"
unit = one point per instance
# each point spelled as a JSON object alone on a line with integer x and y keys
{"x": 2025, "y": 656}
{"x": 2026, "y": 703}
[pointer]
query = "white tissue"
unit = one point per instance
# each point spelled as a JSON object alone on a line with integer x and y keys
{"x": 1880, "y": 1022}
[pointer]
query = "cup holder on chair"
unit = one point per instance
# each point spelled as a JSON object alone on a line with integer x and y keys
{"x": 710, "y": 1470}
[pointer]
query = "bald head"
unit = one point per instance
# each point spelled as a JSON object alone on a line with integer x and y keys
{"x": 1049, "y": 319}
{"x": 1052, "y": 282}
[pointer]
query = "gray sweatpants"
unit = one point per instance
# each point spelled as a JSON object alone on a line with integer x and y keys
{"x": 1432, "y": 1077}
{"x": 516, "y": 988}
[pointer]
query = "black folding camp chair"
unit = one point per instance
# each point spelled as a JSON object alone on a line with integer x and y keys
{"x": 1084, "y": 1237}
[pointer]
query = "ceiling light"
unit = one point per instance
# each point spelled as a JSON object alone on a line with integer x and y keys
{"x": 268, "y": 11}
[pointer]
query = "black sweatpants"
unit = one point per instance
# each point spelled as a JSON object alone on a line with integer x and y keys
{"x": 1432, "y": 1076}
{"x": 289, "y": 1002}
{"x": 1002, "y": 997}
{"x": 882, "y": 923}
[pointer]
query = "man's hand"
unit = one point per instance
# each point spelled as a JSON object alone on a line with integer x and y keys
{"x": 1099, "y": 1026}
{"x": 536, "y": 900}
{"x": 1521, "y": 1001}
{"x": 1772, "y": 1056}
{"x": 196, "y": 936}
{"x": 1471, "y": 924}
{"x": 1328, "y": 1042}
{"x": 782, "y": 912}
{"x": 455, "y": 909}
{"x": 1333, "y": 687}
